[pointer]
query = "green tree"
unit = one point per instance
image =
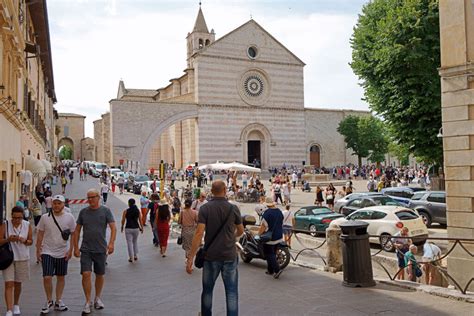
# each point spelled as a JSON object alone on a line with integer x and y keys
{"x": 65, "y": 152}
{"x": 366, "y": 136}
{"x": 396, "y": 53}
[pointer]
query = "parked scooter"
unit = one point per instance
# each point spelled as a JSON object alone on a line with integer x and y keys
{"x": 251, "y": 248}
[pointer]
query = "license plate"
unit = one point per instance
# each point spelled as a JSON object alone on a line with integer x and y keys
{"x": 417, "y": 232}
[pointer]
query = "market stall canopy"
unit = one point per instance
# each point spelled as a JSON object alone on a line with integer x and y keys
{"x": 47, "y": 165}
{"x": 26, "y": 177}
{"x": 217, "y": 166}
{"x": 35, "y": 166}
{"x": 237, "y": 166}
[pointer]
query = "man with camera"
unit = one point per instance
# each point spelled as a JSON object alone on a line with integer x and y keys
{"x": 54, "y": 249}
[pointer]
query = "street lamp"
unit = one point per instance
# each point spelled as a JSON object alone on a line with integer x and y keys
{"x": 440, "y": 133}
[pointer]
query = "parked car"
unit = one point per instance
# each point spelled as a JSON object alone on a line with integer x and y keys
{"x": 366, "y": 201}
{"x": 401, "y": 194}
{"x": 138, "y": 182}
{"x": 344, "y": 200}
{"x": 147, "y": 187}
{"x": 386, "y": 221}
{"x": 431, "y": 205}
{"x": 314, "y": 219}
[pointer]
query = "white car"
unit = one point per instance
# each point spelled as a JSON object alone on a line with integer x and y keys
{"x": 386, "y": 221}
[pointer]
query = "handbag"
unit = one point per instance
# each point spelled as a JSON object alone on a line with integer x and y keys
{"x": 201, "y": 253}
{"x": 418, "y": 271}
{"x": 6, "y": 253}
{"x": 64, "y": 233}
{"x": 179, "y": 241}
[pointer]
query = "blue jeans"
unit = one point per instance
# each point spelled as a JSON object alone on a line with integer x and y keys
{"x": 230, "y": 276}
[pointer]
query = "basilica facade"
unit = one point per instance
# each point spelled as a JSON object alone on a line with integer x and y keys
{"x": 241, "y": 98}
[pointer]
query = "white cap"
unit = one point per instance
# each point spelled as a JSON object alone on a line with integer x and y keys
{"x": 59, "y": 198}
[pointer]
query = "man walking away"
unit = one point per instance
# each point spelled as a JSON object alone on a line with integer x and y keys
{"x": 53, "y": 251}
{"x": 218, "y": 216}
{"x": 94, "y": 248}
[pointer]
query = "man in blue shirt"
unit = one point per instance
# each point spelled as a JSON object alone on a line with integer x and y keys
{"x": 272, "y": 221}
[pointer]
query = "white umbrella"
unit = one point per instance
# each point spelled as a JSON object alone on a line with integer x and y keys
{"x": 215, "y": 166}
{"x": 236, "y": 166}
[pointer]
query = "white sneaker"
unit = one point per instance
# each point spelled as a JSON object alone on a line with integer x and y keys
{"x": 9, "y": 313}
{"x": 16, "y": 310}
{"x": 98, "y": 304}
{"x": 87, "y": 308}
{"x": 47, "y": 307}
{"x": 60, "y": 306}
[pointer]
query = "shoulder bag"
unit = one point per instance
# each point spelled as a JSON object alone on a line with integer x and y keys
{"x": 64, "y": 233}
{"x": 201, "y": 253}
{"x": 6, "y": 252}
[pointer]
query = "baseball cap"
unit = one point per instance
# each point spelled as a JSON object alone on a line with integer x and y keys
{"x": 59, "y": 198}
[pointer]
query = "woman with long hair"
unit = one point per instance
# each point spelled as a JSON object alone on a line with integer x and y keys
{"x": 163, "y": 225}
{"x": 131, "y": 219}
{"x": 188, "y": 219}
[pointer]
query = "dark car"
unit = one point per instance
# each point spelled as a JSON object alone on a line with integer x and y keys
{"x": 344, "y": 200}
{"x": 314, "y": 219}
{"x": 431, "y": 205}
{"x": 402, "y": 195}
{"x": 138, "y": 181}
{"x": 366, "y": 201}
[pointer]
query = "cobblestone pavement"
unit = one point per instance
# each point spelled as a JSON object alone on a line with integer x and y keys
{"x": 160, "y": 286}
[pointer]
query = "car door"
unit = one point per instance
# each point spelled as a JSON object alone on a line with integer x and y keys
{"x": 300, "y": 219}
{"x": 352, "y": 206}
{"x": 436, "y": 203}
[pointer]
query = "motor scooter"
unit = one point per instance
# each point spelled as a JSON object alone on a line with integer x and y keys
{"x": 251, "y": 248}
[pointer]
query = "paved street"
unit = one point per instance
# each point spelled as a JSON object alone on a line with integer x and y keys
{"x": 160, "y": 286}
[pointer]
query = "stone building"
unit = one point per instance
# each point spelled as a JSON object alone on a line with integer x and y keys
{"x": 457, "y": 83}
{"x": 102, "y": 139}
{"x": 27, "y": 96}
{"x": 88, "y": 149}
{"x": 71, "y": 132}
{"x": 241, "y": 98}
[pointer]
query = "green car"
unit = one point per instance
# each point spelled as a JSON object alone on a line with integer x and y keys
{"x": 314, "y": 219}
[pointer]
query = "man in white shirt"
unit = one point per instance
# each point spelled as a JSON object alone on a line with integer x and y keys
{"x": 54, "y": 252}
{"x": 294, "y": 179}
{"x": 431, "y": 252}
{"x": 199, "y": 202}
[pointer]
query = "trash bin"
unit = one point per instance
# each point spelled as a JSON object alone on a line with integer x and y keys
{"x": 356, "y": 258}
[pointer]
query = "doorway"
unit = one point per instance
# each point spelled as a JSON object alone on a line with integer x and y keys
{"x": 315, "y": 156}
{"x": 254, "y": 152}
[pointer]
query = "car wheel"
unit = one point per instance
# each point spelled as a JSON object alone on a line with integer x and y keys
{"x": 312, "y": 230}
{"x": 426, "y": 218}
{"x": 386, "y": 242}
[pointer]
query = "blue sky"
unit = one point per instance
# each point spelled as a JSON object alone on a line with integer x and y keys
{"x": 95, "y": 43}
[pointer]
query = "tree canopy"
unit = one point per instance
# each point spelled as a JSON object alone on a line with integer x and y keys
{"x": 65, "y": 152}
{"x": 396, "y": 53}
{"x": 366, "y": 136}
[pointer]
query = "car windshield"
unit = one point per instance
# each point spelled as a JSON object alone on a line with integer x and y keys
{"x": 417, "y": 195}
{"x": 384, "y": 200}
{"x": 141, "y": 178}
{"x": 406, "y": 215}
{"x": 318, "y": 211}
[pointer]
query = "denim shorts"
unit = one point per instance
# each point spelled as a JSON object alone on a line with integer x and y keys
{"x": 287, "y": 229}
{"x": 89, "y": 259}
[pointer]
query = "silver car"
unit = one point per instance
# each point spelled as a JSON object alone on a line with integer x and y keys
{"x": 343, "y": 201}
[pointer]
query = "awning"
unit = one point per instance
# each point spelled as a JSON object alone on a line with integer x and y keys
{"x": 47, "y": 165}
{"x": 26, "y": 177}
{"x": 35, "y": 166}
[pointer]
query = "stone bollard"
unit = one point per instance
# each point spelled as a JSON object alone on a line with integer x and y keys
{"x": 334, "y": 249}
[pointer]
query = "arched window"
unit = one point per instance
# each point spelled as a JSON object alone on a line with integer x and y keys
{"x": 201, "y": 43}
{"x": 208, "y": 42}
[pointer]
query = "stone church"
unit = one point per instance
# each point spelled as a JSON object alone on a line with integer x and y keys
{"x": 241, "y": 98}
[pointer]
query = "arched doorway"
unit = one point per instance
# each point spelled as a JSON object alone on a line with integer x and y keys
{"x": 256, "y": 140}
{"x": 254, "y": 148}
{"x": 66, "y": 148}
{"x": 315, "y": 156}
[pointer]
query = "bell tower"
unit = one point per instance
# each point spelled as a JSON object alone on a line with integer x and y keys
{"x": 199, "y": 38}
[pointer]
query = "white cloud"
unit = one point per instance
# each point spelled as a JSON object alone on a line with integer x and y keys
{"x": 95, "y": 44}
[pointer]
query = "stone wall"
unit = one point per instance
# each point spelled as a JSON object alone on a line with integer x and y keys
{"x": 457, "y": 57}
{"x": 106, "y": 138}
{"x": 88, "y": 149}
{"x": 99, "y": 140}
{"x": 73, "y": 126}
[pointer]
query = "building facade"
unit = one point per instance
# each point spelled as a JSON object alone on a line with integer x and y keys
{"x": 71, "y": 132}
{"x": 457, "y": 84}
{"x": 27, "y": 96}
{"x": 241, "y": 98}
